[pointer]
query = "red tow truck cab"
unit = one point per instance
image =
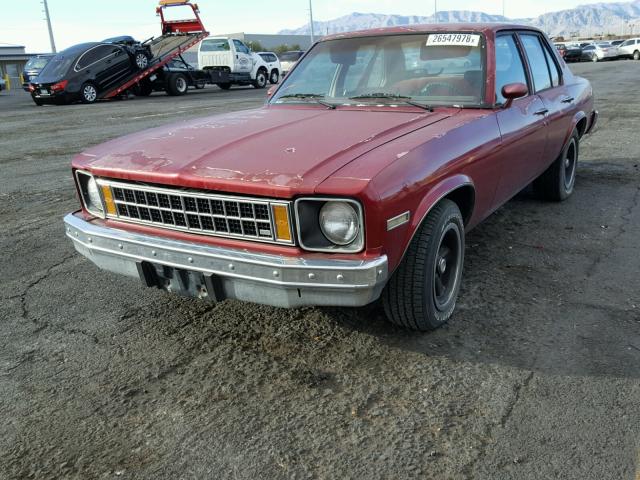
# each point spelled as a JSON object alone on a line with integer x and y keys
{"x": 357, "y": 180}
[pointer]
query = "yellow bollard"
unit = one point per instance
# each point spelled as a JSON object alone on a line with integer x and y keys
{"x": 7, "y": 80}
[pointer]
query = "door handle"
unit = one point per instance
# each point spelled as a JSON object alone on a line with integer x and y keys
{"x": 568, "y": 100}
{"x": 542, "y": 111}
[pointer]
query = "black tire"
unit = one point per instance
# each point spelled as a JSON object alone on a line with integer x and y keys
{"x": 594, "y": 58}
{"x": 37, "y": 102}
{"x": 200, "y": 85}
{"x": 422, "y": 293}
{"x": 88, "y": 93}
{"x": 261, "y": 79}
{"x": 143, "y": 89}
{"x": 224, "y": 86}
{"x": 177, "y": 85}
{"x": 274, "y": 78}
{"x": 558, "y": 181}
{"x": 636, "y": 55}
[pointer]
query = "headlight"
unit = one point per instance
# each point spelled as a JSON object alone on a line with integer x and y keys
{"x": 339, "y": 222}
{"x": 332, "y": 225}
{"x": 90, "y": 193}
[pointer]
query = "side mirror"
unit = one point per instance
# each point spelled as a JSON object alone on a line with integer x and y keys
{"x": 511, "y": 91}
{"x": 270, "y": 92}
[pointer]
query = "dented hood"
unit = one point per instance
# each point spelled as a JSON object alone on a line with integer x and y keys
{"x": 269, "y": 151}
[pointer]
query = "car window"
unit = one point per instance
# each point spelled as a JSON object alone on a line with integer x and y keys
{"x": 589, "y": 47}
{"x": 36, "y": 63}
{"x": 240, "y": 47}
{"x": 219, "y": 45}
{"x": 553, "y": 68}
{"x": 94, "y": 55}
{"x": 537, "y": 61}
{"x": 509, "y": 66}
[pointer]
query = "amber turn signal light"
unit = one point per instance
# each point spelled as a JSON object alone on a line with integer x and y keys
{"x": 281, "y": 219}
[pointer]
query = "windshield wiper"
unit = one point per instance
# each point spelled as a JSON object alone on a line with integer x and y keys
{"x": 393, "y": 96}
{"x": 316, "y": 97}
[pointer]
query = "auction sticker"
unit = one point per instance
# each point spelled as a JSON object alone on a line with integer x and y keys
{"x": 453, "y": 39}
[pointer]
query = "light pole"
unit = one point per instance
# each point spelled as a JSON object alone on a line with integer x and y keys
{"x": 48, "y": 18}
{"x": 311, "y": 20}
{"x": 435, "y": 11}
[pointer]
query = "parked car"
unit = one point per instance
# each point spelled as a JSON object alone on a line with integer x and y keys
{"x": 573, "y": 53}
{"x": 616, "y": 43}
{"x": 139, "y": 52}
{"x": 271, "y": 59}
{"x": 376, "y": 169}
{"x": 599, "y": 51}
{"x": 233, "y": 56}
{"x": 630, "y": 49}
{"x": 33, "y": 67}
{"x": 289, "y": 59}
{"x": 82, "y": 73}
{"x": 561, "y": 47}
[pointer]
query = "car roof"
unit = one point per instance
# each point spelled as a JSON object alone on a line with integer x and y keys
{"x": 483, "y": 28}
{"x": 79, "y": 48}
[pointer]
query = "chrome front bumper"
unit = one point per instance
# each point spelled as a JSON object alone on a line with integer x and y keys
{"x": 276, "y": 280}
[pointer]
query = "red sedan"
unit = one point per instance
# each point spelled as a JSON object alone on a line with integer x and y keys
{"x": 357, "y": 180}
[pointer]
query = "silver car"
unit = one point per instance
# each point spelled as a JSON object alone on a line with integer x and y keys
{"x": 599, "y": 51}
{"x": 630, "y": 49}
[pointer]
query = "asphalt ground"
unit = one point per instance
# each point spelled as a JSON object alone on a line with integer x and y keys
{"x": 537, "y": 376}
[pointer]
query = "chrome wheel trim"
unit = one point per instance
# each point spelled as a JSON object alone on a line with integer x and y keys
{"x": 181, "y": 84}
{"x": 141, "y": 60}
{"x": 261, "y": 79}
{"x": 90, "y": 93}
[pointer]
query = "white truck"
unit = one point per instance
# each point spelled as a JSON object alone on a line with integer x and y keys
{"x": 233, "y": 63}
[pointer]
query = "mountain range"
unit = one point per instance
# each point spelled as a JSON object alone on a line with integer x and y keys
{"x": 584, "y": 20}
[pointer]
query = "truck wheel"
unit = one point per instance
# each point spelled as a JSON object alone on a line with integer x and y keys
{"x": 636, "y": 55}
{"x": 88, "y": 93}
{"x": 143, "y": 89}
{"x": 224, "y": 86}
{"x": 557, "y": 182}
{"x": 422, "y": 293}
{"x": 274, "y": 78}
{"x": 261, "y": 79}
{"x": 177, "y": 85}
{"x": 200, "y": 85}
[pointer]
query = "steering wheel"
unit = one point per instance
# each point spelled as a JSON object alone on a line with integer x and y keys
{"x": 452, "y": 91}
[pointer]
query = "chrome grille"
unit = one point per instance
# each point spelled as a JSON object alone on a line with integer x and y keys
{"x": 208, "y": 214}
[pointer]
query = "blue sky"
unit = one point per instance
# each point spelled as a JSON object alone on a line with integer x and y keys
{"x": 76, "y": 21}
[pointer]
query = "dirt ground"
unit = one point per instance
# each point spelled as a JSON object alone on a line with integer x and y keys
{"x": 536, "y": 377}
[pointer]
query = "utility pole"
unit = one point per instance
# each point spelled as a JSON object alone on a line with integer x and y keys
{"x": 311, "y": 20}
{"x": 503, "y": 9}
{"x": 48, "y": 18}
{"x": 435, "y": 11}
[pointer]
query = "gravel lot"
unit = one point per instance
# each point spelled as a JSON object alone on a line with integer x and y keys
{"x": 536, "y": 377}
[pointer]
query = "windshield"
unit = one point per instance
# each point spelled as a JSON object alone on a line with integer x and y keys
{"x": 56, "y": 69}
{"x": 290, "y": 56}
{"x": 215, "y": 45}
{"x": 36, "y": 63}
{"x": 434, "y": 69}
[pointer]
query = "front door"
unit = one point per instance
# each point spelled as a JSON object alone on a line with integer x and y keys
{"x": 243, "y": 60}
{"x": 523, "y": 123}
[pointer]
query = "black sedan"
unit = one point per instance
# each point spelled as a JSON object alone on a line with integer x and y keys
{"x": 33, "y": 68}
{"x": 573, "y": 53}
{"x": 140, "y": 52}
{"x": 83, "y": 73}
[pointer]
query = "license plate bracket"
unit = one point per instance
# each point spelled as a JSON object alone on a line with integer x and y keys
{"x": 187, "y": 283}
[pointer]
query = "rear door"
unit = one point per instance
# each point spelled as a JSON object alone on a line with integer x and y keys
{"x": 550, "y": 87}
{"x": 523, "y": 124}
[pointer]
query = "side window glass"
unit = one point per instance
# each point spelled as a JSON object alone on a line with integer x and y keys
{"x": 92, "y": 56}
{"x": 553, "y": 68}
{"x": 537, "y": 61}
{"x": 509, "y": 66}
{"x": 240, "y": 47}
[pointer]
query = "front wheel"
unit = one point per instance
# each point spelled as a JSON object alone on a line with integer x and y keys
{"x": 261, "y": 79}
{"x": 88, "y": 93}
{"x": 422, "y": 293}
{"x": 142, "y": 61}
{"x": 636, "y": 55}
{"x": 557, "y": 182}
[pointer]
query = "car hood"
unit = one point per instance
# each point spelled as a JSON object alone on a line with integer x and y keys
{"x": 277, "y": 151}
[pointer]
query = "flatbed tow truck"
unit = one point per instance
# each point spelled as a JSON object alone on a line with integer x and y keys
{"x": 177, "y": 37}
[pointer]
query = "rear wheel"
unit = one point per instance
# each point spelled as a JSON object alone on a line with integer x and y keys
{"x": 261, "y": 79}
{"x": 636, "y": 55}
{"x": 274, "y": 78}
{"x": 88, "y": 93}
{"x": 177, "y": 85}
{"x": 422, "y": 292}
{"x": 224, "y": 86}
{"x": 37, "y": 102}
{"x": 557, "y": 182}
